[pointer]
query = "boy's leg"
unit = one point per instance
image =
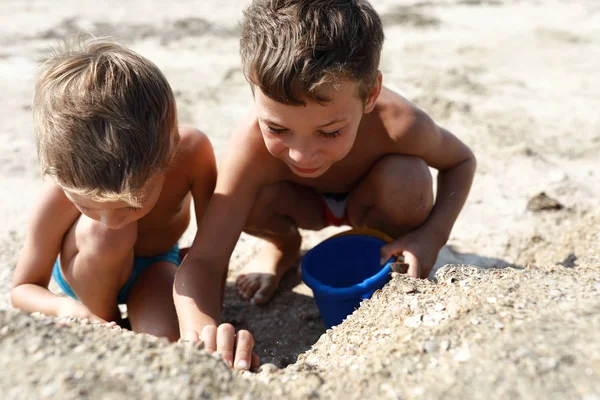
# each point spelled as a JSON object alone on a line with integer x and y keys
{"x": 395, "y": 197}
{"x": 96, "y": 261}
{"x": 150, "y": 306}
{"x": 278, "y": 212}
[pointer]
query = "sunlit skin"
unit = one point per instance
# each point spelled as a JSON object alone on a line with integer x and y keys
{"x": 118, "y": 214}
{"x": 96, "y": 241}
{"x": 282, "y": 157}
{"x": 310, "y": 139}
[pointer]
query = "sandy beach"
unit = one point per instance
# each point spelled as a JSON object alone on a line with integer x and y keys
{"x": 512, "y": 309}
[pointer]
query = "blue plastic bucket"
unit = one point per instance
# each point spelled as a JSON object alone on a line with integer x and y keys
{"x": 342, "y": 271}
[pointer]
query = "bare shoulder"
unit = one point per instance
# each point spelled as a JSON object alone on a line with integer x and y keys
{"x": 51, "y": 218}
{"x": 52, "y": 199}
{"x": 248, "y": 138}
{"x": 193, "y": 141}
{"x": 247, "y": 155}
{"x": 412, "y": 131}
{"x": 400, "y": 117}
{"x": 53, "y": 212}
{"x": 195, "y": 157}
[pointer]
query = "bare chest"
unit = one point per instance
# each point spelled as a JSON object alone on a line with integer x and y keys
{"x": 162, "y": 227}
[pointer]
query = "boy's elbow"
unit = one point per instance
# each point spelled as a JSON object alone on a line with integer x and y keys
{"x": 11, "y": 299}
{"x": 15, "y": 296}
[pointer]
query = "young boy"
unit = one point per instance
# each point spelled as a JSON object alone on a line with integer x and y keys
{"x": 123, "y": 174}
{"x": 323, "y": 131}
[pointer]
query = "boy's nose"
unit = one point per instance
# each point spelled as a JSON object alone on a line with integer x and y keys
{"x": 302, "y": 156}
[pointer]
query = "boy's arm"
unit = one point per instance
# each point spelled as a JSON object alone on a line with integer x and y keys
{"x": 50, "y": 220}
{"x": 200, "y": 280}
{"x": 204, "y": 176}
{"x": 199, "y": 283}
{"x": 456, "y": 164}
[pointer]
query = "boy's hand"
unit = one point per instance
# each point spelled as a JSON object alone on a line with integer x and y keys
{"x": 195, "y": 304}
{"x": 418, "y": 249}
{"x": 236, "y": 350}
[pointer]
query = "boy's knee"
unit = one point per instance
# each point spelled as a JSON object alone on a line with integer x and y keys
{"x": 404, "y": 180}
{"x": 94, "y": 237}
{"x": 267, "y": 202}
{"x": 402, "y": 173}
{"x": 268, "y": 195}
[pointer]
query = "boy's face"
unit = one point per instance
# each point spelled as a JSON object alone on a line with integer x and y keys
{"x": 117, "y": 214}
{"x": 310, "y": 138}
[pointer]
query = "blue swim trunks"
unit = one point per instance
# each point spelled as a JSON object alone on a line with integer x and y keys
{"x": 139, "y": 265}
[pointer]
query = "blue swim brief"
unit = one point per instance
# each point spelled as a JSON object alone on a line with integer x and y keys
{"x": 139, "y": 265}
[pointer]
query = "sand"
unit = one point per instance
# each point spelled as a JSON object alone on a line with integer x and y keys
{"x": 514, "y": 315}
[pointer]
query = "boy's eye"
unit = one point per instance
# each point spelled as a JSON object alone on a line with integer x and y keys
{"x": 330, "y": 135}
{"x": 276, "y": 131}
{"x": 133, "y": 209}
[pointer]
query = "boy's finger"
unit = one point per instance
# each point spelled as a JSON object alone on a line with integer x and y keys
{"x": 209, "y": 338}
{"x": 190, "y": 336}
{"x": 243, "y": 350}
{"x": 226, "y": 342}
{"x": 263, "y": 294}
{"x": 389, "y": 250}
{"x": 108, "y": 324}
{"x": 414, "y": 267}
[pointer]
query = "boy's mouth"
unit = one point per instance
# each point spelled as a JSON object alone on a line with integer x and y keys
{"x": 306, "y": 170}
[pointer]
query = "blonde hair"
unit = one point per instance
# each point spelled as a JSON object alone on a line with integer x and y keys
{"x": 292, "y": 48}
{"x": 105, "y": 120}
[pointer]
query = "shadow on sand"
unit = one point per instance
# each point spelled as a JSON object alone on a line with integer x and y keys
{"x": 285, "y": 327}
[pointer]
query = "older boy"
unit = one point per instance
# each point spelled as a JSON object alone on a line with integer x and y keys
{"x": 123, "y": 175}
{"x": 325, "y": 143}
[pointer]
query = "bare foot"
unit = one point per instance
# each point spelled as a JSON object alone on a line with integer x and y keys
{"x": 260, "y": 279}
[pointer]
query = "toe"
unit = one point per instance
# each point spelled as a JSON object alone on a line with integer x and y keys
{"x": 241, "y": 284}
{"x": 247, "y": 287}
{"x": 252, "y": 288}
{"x": 241, "y": 279}
{"x": 243, "y": 293}
{"x": 264, "y": 294}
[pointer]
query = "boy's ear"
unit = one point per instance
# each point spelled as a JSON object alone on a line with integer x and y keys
{"x": 373, "y": 94}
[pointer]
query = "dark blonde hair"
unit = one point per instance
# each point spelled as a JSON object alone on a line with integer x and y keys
{"x": 291, "y": 48}
{"x": 105, "y": 120}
